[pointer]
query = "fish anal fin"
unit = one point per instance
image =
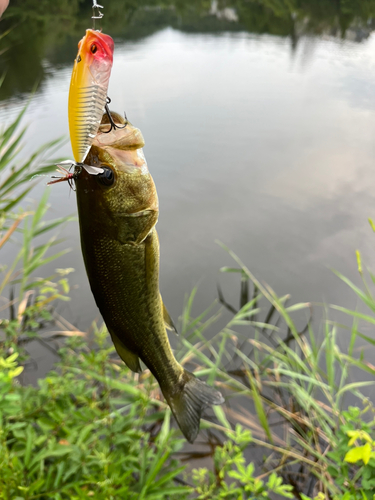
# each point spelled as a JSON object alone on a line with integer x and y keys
{"x": 188, "y": 400}
{"x": 129, "y": 358}
{"x": 168, "y": 322}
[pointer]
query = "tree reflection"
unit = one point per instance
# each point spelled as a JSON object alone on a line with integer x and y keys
{"x": 43, "y": 35}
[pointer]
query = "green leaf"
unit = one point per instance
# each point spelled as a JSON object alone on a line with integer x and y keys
{"x": 7, "y": 134}
{"x": 259, "y": 406}
{"x": 30, "y": 436}
{"x": 358, "y": 453}
{"x": 366, "y": 453}
{"x": 163, "y": 435}
{"x": 220, "y": 415}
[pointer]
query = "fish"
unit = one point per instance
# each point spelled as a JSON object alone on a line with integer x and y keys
{"x": 88, "y": 90}
{"x": 118, "y": 210}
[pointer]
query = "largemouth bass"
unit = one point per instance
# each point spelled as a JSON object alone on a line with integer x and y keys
{"x": 118, "y": 210}
{"x": 88, "y": 90}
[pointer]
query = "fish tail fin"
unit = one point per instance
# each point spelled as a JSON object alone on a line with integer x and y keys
{"x": 188, "y": 401}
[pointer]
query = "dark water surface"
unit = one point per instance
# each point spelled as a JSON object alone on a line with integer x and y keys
{"x": 258, "y": 135}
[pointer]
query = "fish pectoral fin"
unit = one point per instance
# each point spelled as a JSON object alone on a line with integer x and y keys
{"x": 129, "y": 358}
{"x": 137, "y": 226}
{"x": 168, "y": 322}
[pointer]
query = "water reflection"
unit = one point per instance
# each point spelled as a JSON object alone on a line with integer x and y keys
{"x": 268, "y": 148}
{"x": 43, "y": 35}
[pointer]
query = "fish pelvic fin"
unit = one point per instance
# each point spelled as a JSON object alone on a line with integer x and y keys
{"x": 187, "y": 402}
{"x": 129, "y": 358}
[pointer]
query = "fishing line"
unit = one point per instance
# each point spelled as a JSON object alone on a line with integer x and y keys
{"x": 96, "y": 13}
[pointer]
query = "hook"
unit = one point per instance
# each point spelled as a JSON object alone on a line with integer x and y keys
{"x": 96, "y": 14}
{"x": 112, "y": 123}
{"x": 69, "y": 176}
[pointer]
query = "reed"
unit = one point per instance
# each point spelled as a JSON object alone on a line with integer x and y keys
{"x": 290, "y": 386}
{"x": 25, "y": 298}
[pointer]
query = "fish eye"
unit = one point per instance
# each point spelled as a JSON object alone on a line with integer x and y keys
{"x": 107, "y": 178}
{"x": 93, "y": 48}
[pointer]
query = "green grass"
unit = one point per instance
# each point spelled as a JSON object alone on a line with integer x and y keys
{"x": 290, "y": 387}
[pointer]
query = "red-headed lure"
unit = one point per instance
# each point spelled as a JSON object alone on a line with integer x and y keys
{"x": 88, "y": 90}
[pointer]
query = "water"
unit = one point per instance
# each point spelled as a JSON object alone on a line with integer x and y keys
{"x": 261, "y": 141}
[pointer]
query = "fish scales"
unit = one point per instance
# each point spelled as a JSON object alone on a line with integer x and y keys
{"x": 125, "y": 277}
{"x": 129, "y": 286}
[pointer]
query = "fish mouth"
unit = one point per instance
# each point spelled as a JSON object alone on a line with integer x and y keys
{"x": 127, "y": 161}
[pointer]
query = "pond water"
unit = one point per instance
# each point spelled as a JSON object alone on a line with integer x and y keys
{"x": 261, "y": 139}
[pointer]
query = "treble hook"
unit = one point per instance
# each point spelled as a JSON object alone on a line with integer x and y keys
{"x": 96, "y": 14}
{"x": 112, "y": 123}
{"x": 67, "y": 175}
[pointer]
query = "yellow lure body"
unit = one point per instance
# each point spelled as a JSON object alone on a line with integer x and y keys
{"x": 88, "y": 90}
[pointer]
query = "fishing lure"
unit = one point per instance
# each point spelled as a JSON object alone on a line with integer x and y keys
{"x": 88, "y": 90}
{"x": 88, "y": 97}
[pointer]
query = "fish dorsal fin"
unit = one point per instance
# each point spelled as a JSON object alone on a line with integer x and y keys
{"x": 129, "y": 358}
{"x": 168, "y": 322}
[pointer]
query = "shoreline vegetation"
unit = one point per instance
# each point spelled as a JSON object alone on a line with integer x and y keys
{"x": 92, "y": 429}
